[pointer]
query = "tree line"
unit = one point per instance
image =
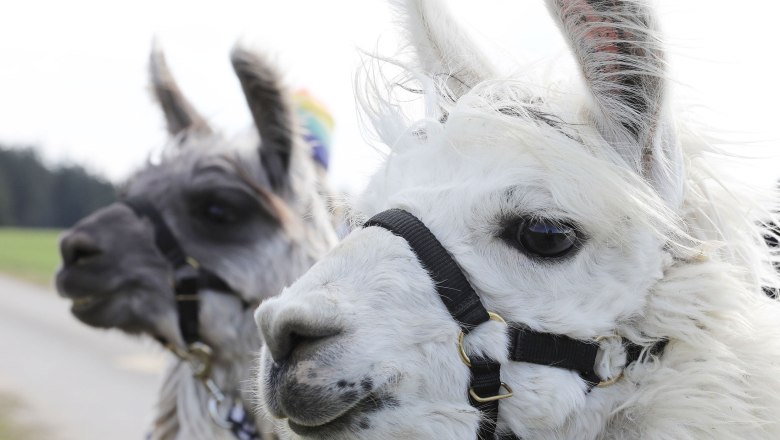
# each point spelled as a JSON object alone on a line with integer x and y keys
{"x": 34, "y": 195}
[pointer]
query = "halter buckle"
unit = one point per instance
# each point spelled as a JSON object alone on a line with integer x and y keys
{"x": 463, "y": 356}
{"x": 200, "y": 356}
{"x": 185, "y": 279}
{"x": 479, "y": 399}
{"x": 193, "y": 262}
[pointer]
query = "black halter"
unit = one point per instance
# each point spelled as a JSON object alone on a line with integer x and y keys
{"x": 189, "y": 278}
{"x": 525, "y": 345}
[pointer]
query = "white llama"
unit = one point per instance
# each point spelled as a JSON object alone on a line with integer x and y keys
{"x": 587, "y": 221}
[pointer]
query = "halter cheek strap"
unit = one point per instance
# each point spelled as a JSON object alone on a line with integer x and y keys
{"x": 189, "y": 278}
{"x": 461, "y": 301}
{"x": 465, "y": 306}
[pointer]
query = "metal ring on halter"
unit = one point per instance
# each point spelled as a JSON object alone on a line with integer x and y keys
{"x": 199, "y": 356}
{"x": 463, "y": 356}
{"x": 200, "y": 359}
{"x": 178, "y": 352}
{"x": 617, "y": 377}
{"x": 509, "y": 393}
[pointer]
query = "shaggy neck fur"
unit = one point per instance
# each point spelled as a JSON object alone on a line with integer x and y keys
{"x": 182, "y": 409}
{"x": 718, "y": 378}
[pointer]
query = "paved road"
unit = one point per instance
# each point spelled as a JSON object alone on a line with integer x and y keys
{"x": 81, "y": 383}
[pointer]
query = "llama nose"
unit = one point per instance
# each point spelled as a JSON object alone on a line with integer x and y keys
{"x": 289, "y": 328}
{"x": 77, "y": 246}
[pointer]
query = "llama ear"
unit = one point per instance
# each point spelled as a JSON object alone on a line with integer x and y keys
{"x": 616, "y": 43}
{"x": 443, "y": 48}
{"x": 270, "y": 104}
{"x": 180, "y": 115}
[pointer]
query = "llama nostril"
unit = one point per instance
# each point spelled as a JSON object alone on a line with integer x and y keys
{"x": 77, "y": 247}
{"x": 297, "y": 336}
{"x": 296, "y": 329}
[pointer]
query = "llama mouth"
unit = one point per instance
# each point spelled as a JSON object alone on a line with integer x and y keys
{"x": 83, "y": 287}
{"x": 72, "y": 286}
{"x": 355, "y": 418}
{"x": 336, "y": 424}
{"x": 85, "y": 302}
{"x": 341, "y": 422}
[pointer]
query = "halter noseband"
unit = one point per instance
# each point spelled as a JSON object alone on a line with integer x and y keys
{"x": 188, "y": 275}
{"x": 189, "y": 278}
{"x": 525, "y": 345}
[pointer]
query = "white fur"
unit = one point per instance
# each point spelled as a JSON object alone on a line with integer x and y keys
{"x": 670, "y": 253}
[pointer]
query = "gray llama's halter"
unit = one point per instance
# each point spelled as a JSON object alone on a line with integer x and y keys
{"x": 189, "y": 279}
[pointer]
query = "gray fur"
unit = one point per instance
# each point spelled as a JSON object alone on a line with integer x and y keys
{"x": 180, "y": 115}
{"x": 119, "y": 279}
{"x": 272, "y": 112}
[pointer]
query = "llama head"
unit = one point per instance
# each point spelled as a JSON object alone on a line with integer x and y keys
{"x": 245, "y": 209}
{"x": 556, "y": 208}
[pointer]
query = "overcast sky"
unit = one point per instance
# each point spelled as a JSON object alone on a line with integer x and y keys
{"x": 73, "y": 77}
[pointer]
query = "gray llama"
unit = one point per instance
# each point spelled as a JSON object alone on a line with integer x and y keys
{"x": 252, "y": 216}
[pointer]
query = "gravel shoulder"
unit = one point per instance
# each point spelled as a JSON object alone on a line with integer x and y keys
{"x": 73, "y": 381}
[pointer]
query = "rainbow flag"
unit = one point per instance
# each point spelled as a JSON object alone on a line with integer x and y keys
{"x": 317, "y": 125}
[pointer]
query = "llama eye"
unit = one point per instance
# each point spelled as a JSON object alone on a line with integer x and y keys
{"x": 219, "y": 213}
{"x": 214, "y": 208}
{"x": 545, "y": 238}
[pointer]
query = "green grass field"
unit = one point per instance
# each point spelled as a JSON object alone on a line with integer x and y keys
{"x": 30, "y": 254}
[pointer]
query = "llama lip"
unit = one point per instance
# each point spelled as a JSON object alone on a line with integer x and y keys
{"x": 339, "y": 411}
{"x": 356, "y": 417}
{"x": 84, "y": 302}
{"x": 341, "y": 422}
{"x": 72, "y": 283}
{"x": 336, "y": 424}
{"x": 77, "y": 286}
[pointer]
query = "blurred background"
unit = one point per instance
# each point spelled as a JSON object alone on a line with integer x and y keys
{"x": 76, "y": 118}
